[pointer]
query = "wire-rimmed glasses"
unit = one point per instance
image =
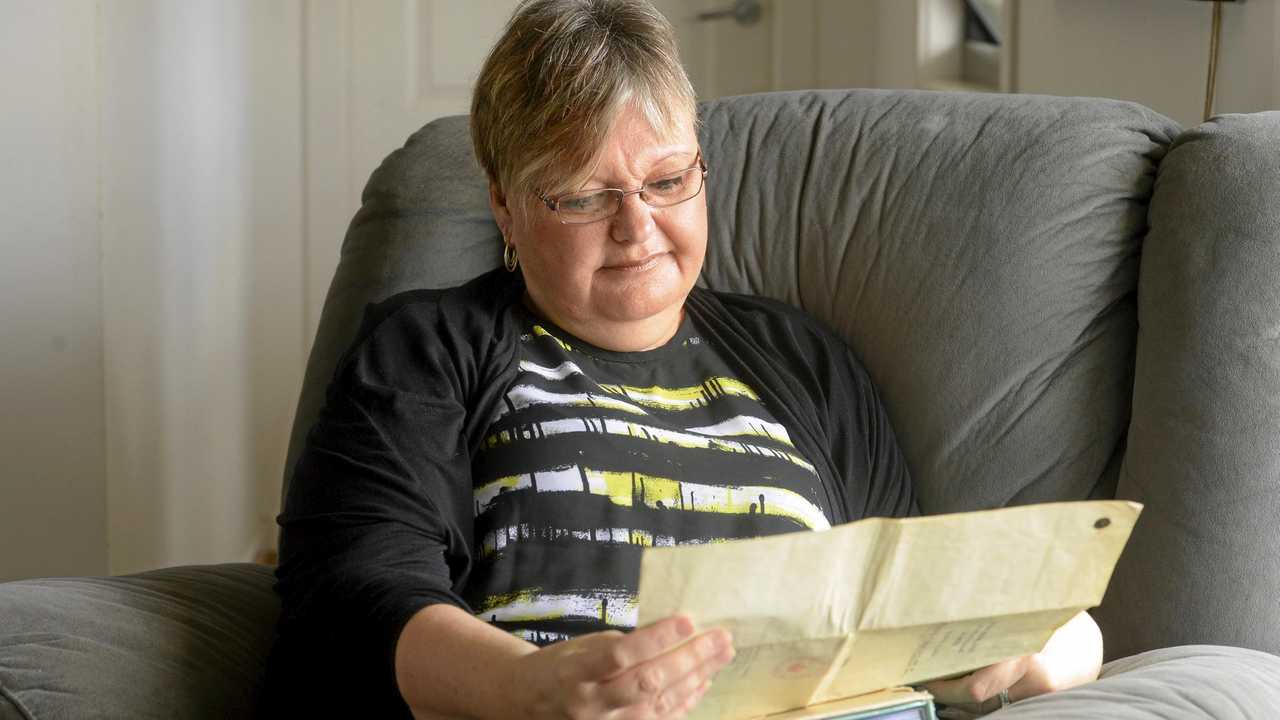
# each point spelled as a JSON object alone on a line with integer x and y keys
{"x": 588, "y": 206}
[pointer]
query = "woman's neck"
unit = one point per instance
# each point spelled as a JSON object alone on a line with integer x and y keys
{"x": 618, "y": 336}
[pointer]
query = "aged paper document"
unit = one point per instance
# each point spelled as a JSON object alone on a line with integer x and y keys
{"x": 879, "y": 603}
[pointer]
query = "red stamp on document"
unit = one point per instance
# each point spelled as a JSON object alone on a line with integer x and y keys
{"x": 800, "y": 667}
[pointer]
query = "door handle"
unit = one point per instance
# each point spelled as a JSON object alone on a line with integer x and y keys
{"x": 743, "y": 12}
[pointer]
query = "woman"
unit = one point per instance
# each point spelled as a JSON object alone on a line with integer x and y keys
{"x": 463, "y": 531}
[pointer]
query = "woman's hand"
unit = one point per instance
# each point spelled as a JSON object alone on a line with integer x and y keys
{"x": 651, "y": 673}
{"x": 1073, "y": 656}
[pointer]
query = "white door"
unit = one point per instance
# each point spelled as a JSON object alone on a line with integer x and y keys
{"x": 377, "y": 70}
{"x": 735, "y": 47}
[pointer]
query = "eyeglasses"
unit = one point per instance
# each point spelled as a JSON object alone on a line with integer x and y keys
{"x": 590, "y": 206}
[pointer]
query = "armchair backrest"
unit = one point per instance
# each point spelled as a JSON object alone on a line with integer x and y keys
{"x": 979, "y": 252}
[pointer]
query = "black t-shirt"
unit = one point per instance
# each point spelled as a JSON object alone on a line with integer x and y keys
{"x": 594, "y": 455}
{"x": 381, "y": 516}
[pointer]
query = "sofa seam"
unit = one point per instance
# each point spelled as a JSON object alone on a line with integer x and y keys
{"x": 22, "y": 708}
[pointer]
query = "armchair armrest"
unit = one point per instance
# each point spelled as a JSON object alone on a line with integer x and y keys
{"x": 181, "y": 642}
{"x": 1202, "y": 565}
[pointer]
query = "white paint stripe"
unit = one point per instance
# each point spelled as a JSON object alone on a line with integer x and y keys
{"x": 559, "y": 372}
{"x": 559, "y": 479}
{"x": 526, "y": 396}
{"x": 485, "y": 494}
{"x": 746, "y": 425}
{"x": 565, "y": 426}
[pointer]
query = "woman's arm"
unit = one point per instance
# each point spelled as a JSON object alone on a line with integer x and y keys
{"x": 450, "y": 664}
{"x": 377, "y": 523}
{"x": 448, "y": 661}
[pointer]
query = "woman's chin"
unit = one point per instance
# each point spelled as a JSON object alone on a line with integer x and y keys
{"x": 637, "y": 306}
{"x": 636, "y": 296}
{"x": 640, "y": 302}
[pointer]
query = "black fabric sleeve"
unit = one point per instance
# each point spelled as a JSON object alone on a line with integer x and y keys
{"x": 863, "y": 444}
{"x": 820, "y": 386}
{"x": 377, "y": 521}
{"x": 859, "y": 437}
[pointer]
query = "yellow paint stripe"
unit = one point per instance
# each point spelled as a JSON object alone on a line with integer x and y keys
{"x": 622, "y": 488}
{"x": 541, "y": 331}
{"x": 683, "y": 398}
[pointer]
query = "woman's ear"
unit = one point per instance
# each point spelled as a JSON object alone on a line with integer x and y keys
{"x": 501, "y": 211}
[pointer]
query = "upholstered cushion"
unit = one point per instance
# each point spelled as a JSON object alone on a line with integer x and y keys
{"x": 1180, "y": 683}
{"x": 1204, "y": 448}
{"x": 980, "y": 253}
{"x": 187, "y": 642}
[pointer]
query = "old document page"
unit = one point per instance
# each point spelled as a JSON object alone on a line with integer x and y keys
{"x": 879, "y": 603}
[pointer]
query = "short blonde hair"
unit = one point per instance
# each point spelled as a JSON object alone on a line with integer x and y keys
{"x": 556, "y": 81}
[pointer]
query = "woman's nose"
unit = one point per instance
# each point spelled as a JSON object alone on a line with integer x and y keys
{"x": 633, "y": 222}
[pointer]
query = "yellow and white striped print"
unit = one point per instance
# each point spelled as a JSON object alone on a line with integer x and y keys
{"x": 654, "y": 396}
{"x": 627, "y": 489}
{"x": 611, "y": 426}
{"x": 683, "y": 398}
{"x": 530, "y": 605}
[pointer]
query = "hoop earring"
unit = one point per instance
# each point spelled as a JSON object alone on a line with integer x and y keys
{"x": 510, "y": 259}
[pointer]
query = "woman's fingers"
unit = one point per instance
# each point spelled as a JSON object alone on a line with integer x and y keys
{"x": 692, "y": 701}
{"x": 616, "y": 653}
{"x": 648, "y": 682}
{"x": 672, "y": 702}
{"x": 980, "y": 685}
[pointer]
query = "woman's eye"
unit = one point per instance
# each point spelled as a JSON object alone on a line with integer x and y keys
{"x": 580, "y": 203}
{"x": 667, "y": 185}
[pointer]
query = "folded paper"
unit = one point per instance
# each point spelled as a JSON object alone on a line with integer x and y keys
{"x": 879, "y": 603}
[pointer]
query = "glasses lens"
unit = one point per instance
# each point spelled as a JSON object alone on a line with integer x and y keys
{"x": 588, "y": 206}
{"x": 673, "y": 189}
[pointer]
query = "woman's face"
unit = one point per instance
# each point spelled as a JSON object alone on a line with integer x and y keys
{"x": 621, "y": 282}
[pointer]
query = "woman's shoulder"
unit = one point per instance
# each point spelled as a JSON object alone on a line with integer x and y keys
{"x": 455, "y": 324}
{"x": 487, "y": 295}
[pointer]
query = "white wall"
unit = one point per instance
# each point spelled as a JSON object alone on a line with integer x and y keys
{"x": 52, "y": 479}
{"x": 1151, "y": 51}
{"x": 202, "y": 267}
{"x": 151, "y": 300}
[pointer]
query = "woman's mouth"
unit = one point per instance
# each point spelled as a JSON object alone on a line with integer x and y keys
{"x": 637, "y": 265}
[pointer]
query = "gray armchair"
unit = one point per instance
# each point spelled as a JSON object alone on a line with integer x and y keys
{"x": 1058, "y": 299}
